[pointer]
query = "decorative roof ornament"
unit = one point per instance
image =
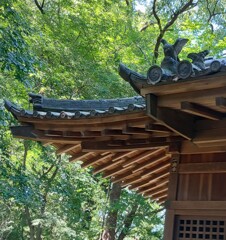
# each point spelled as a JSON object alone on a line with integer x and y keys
{"x": 171, "y": 60}
{"x": 172, "y": 69}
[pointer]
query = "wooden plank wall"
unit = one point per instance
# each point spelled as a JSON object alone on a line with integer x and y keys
{"x": 197, "y": 190}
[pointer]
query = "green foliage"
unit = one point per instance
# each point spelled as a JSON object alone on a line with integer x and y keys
{"x": 72, "y": 51}
{"x": 16, "y": 58}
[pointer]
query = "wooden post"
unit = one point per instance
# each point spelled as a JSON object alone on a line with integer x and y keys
{"x": 172, "y": 196}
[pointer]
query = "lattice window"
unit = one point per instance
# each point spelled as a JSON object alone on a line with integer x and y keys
{"x": 200, "y": 229}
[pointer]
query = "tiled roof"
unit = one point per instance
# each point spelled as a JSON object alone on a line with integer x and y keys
{"x": 46, "y": 108}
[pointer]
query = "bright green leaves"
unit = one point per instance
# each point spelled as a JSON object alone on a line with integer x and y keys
{"x": 15, "y": 55}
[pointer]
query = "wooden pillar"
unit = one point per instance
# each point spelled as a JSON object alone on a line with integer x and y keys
{"x": 172, "y": 196}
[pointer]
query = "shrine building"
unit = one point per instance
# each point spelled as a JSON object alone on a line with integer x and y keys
{"x": 168, "y": 143}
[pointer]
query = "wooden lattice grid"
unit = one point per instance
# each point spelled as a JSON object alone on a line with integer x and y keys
{"x": 200, "y": 228}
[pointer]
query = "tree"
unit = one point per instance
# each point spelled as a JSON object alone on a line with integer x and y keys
{"x": 71, "y": 49}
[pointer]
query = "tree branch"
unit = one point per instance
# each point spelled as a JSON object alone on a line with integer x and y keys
{"x": 40, "y": 6}
{"x": 127, "y": 2}
{"x": 128, "y": 222}
{"x": 44, "y": 196}
{"x": 26, "y": 147}
{"x": 186, "y": 7}
{"x": 156, "y": 15}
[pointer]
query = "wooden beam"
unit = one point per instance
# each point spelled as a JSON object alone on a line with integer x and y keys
{"x": 87, "y": 126}
{"x": 221, "y": 102}
{"x": 183, "y": 86}
{"x": 108, "y": 119}
{"x": 211, "y": 136}
{"x": 157, "y": 196}
{"x": 202, "y": 125}
{"x": 66, "y": 148}
{"x": 202, "y": 111}
{"x": 126, "y": 175}
{"x": 107, "y": 165}
{"x": 153, "y": 161}
{"x": 45, "y": 144}
{"x": 177, "y": 121}
{"x": 103, "y": 146}
{"x": 135, "y": 130}
{"x": 154, "y": 171}
{"x": 188, "y": 147}
{"x": 199, "y": 205}
{"x": 156, "y": 192}
{"x": 150, "y": 179}
{"x": 157, "y": 128}
{"x": 161, "y": 200}
{"x": 116, "y": 171}
{"x": 189, "y": 168}
{"x": 155, "y": 185}
{"x": 124, "y": 155}
{"x": 205, "y": 97}
{"x": 142, "y": 156}
{"x": 79, "y": 156}
{"x": 96, "y": 159}
{"x": 111, "y": 132}
{"x": 24, "y": 132}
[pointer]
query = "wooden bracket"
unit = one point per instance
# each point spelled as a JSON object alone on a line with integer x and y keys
{"x": 201, "y": 111}
{"x": 175, "y": 120}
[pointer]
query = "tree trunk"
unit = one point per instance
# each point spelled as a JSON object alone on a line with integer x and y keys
{"x": 111, "y": 220}
{"x": 29, "y": 222}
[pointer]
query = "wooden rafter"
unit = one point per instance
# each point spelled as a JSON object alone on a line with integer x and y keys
{"x": 161, "y": 167}
{"x": 157, "y": 196}
{"x": 45, "y": 144}
{"x": 124, "y": 155}
{"x": 97, "y": 159}
{"x": 161, "y": 158}
{"x": 67, "y": 148}
{"x": 141, "y": 156}
{"x": 79, "y": 156}
{"x": 157, "y": 191}
{"x": 117, "y": 170}
{"x": 142, "y": 182}
{"x": 107, "y": 165}
{"x": 155, "y": 185}
{"x": 124, "y": 176}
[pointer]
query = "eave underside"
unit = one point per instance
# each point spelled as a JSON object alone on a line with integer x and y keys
{"x": 133, "y": 142}
{"x": 128, "y": 146}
